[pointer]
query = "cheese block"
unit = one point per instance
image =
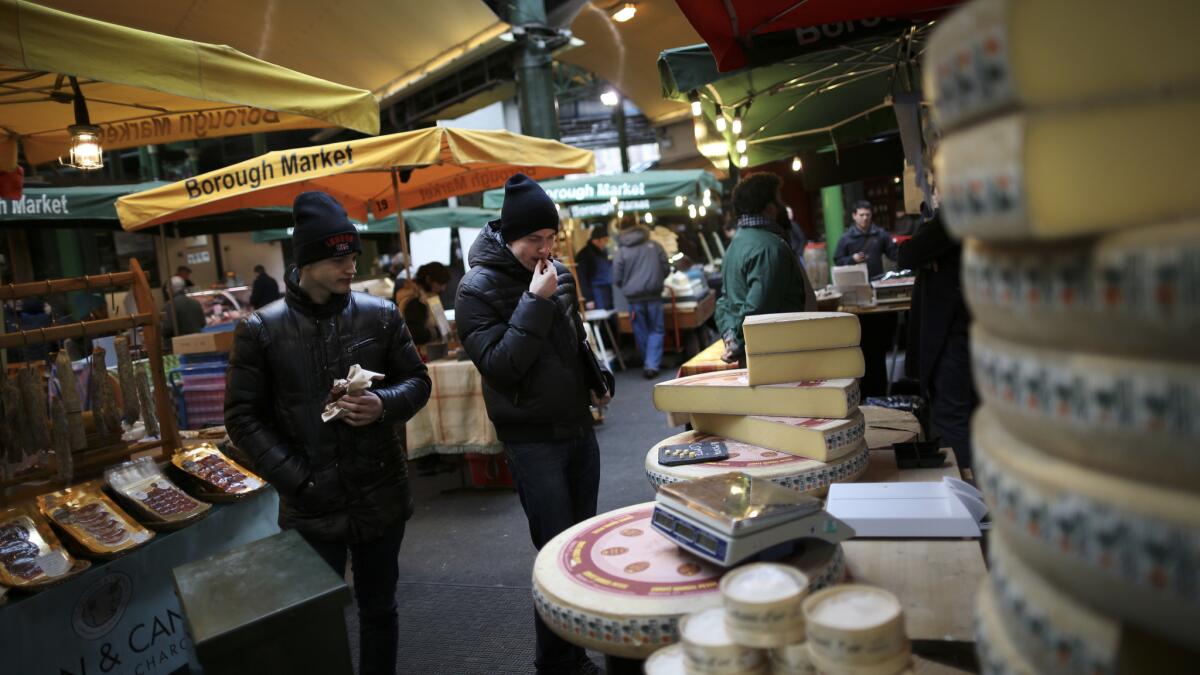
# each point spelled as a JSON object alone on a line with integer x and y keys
{"x": 1135, "y": 418}
{"x": 816, "y": 438}
{"x": 800, "y": 331}
{"x": 995, "y": 55}
{"x": 614, "y": 584}
{"x": 729, "y": 392}
{"x": 1129, "y": 293}
{"x": 807, "y": 476}
{"x": 1129, "y": 549}
{"x": 998, "y": 653}
{"x": 1064, "y": 173}
{"x": 818, "y": 364}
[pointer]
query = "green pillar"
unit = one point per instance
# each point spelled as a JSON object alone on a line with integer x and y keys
{"x": 622, "y": 136}
{"x": 535, "y": 79}
{"x": 70, "y": 257}
{"x": 835, "y": 219}
{"x": 148, "y": 160}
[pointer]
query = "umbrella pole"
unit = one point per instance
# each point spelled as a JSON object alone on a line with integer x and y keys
{"x": 400, "y": 224}
{"x": 162, "y": 239}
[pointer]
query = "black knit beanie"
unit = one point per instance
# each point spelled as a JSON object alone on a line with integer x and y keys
{"x": 322, "y": 229}
{"x": 527, "y": 209}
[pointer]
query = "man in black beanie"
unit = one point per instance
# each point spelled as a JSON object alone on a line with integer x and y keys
{"x": 343, "y": 484}
{"x": 519, "y": 322}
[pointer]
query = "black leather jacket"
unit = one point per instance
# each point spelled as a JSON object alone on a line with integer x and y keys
{"x": 335, "y": 481}
{"x": 526, "y": 347}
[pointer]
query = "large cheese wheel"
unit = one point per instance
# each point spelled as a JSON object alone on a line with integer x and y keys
{"x": 998, "y": 652}
{"x": 994, "y": 55}
{"x": 1132, "y": 417}
{"x": 614, "y": 584}
{"x": 807, "y": 476}
{"x": 1071, "y": 172}
{"x": 1131, "y": 293}
{"x": 1128, "y": 548}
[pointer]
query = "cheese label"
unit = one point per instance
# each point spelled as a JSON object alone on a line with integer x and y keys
{"x": 973, "y": 75}
{"x": 982, "y": 176}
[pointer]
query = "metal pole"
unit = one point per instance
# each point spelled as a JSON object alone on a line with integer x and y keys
{"x": 400, "y": 227}
{"x": 535, "y": 77}
{"x": 622, "y": 137}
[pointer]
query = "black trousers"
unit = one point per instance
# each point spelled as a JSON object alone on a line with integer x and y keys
{"x": 878, "y": 336}
{"x": 952, "y": 397}
{"x": 558, "y": 482}
{"x": 376, "y": 571}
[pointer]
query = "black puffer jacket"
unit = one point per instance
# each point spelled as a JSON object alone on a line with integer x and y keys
{"x": 526, "y": 347}
{"x": 335, "y": 481}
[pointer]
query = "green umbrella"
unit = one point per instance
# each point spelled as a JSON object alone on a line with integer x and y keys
{"x": 415, "y": 221}
{"x": 815, "y": 102}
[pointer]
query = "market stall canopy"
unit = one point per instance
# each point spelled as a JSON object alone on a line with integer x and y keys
{"x": 95, "y": 206}
{"x": 387, "y": 48}
{"x": 819, "y": 101}
{"x": 624, "y": 53}
{"x": 745, "y": 33}
{"x": 592, "y": 196}
{"x": 193, "y": 89}
{"x": 417, "y": 220}
{"x": 430, "y": 165}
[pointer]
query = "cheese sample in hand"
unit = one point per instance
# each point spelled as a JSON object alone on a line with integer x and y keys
{"x": 816, "y": 438}
{"x": 1065, "y": 173}
{"x": 818, "y": 364}
{"x": 729, "y": 392}
{"x": 800, "y": 331}
{"x": 994, "y": 55}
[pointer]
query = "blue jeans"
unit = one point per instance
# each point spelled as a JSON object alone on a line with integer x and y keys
{"x": 647, "y": 319}
{"x": 558, "y": 482}
{"x": 602, "y": 295}
{"x": 376, "y": 572}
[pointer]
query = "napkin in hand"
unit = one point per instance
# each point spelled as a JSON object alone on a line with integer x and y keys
{"x": 357, "y": 381}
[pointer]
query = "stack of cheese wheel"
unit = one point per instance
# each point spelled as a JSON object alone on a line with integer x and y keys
{"x": 1067, "y": 166}
{"x": 854, "y": 629}
{"x": 791, "y": 417}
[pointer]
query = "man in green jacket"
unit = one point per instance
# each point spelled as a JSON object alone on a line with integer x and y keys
{"x": 761, "y": 273}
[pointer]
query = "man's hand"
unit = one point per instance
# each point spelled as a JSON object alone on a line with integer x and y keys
{"x": 361, "y": 410}
{"x": 545, "y": 279}
{"x": 590, "y": 305}
{"x": 860, "y": 256}
{"x": 600, "y": 402}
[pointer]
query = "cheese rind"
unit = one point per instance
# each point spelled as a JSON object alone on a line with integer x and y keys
{"x": 1127, "y": 548}
{"x": 807, "y": 476}
{"x": 1054, "y": 630}
{"x": 800, "y": 331}
{"x": 818, "y": 364}
{"x": 855, "y": 625}
{"x": 1134, "y": 418}
{"x": 729, "y": 392}
{"x": 994, "y": 55}
{"x": 998, "y": 653}
{"x": 1128, "y": 293}
{"x": 820, "y": 439}
{"x": 1063, "y": 173}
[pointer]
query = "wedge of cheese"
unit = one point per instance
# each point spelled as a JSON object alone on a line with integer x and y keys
{"x": 729, "y": 392}
{"x": 1066, "y": 173}
{"x": 800, "y": 331}
{"x": 815, "y": 438}
{"x": 995, "y": 55}
{"x": 818, "y": 364}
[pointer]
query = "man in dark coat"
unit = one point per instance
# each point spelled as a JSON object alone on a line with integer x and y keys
{"x": 595, "y": 270}
{"x": 519, "y": 322}
{"x": 938, "y": 353}
{"x": 343, "y": 484}
{"x": 265, "y": 289}
{"x": 183, "y": 315}
{"x": 865, "y": 242}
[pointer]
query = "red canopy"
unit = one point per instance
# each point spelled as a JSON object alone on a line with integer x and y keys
{"x": 730, "y": 27}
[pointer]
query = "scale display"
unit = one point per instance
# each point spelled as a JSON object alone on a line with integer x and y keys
{"x": 728, "y": 518}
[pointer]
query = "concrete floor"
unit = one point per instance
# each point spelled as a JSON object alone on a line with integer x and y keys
{"x": 464, "y": 595}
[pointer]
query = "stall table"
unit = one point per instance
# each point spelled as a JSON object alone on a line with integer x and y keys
{"x": 677, "y": 318}
{"x": 455, "y": 420}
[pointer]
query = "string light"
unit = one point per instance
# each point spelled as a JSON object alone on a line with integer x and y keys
{"x": 741, "y": 145}
{"x": 737, "y": 125}
{"x": 797, "y": 164}
{"x": 702, "y": 211}
{"x": 696, "y": 109}
{"x": 692, "y": 211}
{"x": 678, "y": 201}
{"x": 721, "y": 124}
{"x": 744, "y": 161}
{"x": 649, "y": 218}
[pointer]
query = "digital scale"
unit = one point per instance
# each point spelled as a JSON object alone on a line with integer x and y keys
{"x": 731, "y": 517}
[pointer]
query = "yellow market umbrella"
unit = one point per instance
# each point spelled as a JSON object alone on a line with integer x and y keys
{"x": 144, "y": 88}
{"x": 369, "y": 176}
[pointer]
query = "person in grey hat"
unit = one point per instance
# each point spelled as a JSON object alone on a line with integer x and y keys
{"x": 343, "y": 484}
{"x": 519, "y": 322}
